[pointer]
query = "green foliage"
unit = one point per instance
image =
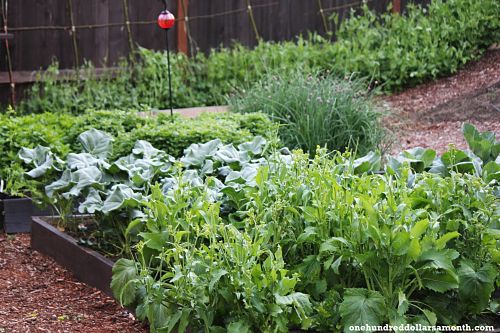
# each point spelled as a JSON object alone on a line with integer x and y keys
{"x": 83, "y": 91}
{"x": 113, "y": 190}
{"x": 483, "y": 145}
{"x": 174, "y": 137}
{"x": 247, "y": 238}
{"x": 394, "y": 50}
{"x": 482, "y": 159}
{"x": 270, "y": 251}
{"x": 316, "y": 110}
{"x": 399, "y": 51}
{"x": 60, "y": 132}
{"x": 141, "y": 83}
{"x": 362, "y": 307}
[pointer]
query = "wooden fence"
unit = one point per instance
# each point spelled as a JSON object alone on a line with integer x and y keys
{"x": 37, "y": 32}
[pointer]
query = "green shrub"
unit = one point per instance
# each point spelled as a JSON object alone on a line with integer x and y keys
{"x": 60, "y": 132}
{"x": 316, "y": 110}
{"x": 174, "y": 137}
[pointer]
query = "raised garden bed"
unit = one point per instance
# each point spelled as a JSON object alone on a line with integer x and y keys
{"x": 16, "y": 213}
{"x": 87, "y": 265}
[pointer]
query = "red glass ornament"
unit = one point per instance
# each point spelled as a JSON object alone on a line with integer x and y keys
{"x": 166, "y": 20}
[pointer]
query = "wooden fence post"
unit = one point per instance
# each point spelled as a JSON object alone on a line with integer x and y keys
{"x": 4, "y": 9}
{"x": 182, "y": 38}
{"x": 396, "y": 6}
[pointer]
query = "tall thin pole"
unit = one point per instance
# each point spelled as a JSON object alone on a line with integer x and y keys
{"x": 166, "y": 21}
{"x": 127, "y": 24}
{"x": 169, "y": 78}
{"x": 73, "y": 35}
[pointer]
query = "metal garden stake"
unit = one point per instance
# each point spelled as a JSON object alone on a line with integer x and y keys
{"x": 166, "y": 21}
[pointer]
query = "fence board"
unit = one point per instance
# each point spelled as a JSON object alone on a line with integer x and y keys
{"x": 34, "y": 49}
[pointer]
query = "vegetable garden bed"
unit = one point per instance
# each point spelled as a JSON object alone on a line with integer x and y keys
{"x": 280, "y": 240}
{"x": 87, "y": 265}
{"x": 16, "y": 213}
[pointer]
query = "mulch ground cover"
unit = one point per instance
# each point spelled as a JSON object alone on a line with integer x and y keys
{"x": 37, "y": 295}
{"x": 431, "y": 115}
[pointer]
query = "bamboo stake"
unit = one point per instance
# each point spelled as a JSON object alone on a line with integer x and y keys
{"x": 73, "y": 34}
{"x": 252, "y": 20}
{"x": 323, "y": 17}
{"x": 127, "y": 24}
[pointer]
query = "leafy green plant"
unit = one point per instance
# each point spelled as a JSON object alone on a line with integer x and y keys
{"x": 483, "y": 145}
{"x": 209, "y": 263}
{"x": 60, "y": 132}
{"x": 482, "y": 158}
{"x": 246, "y": 238}
{"x": 353, "y": 249}
{"x": 425, "y": 43}
{"x": 316, "y": 110}
{"x": 113, "y": 189}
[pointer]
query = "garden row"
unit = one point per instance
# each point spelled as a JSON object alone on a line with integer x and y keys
{"x": 393, "y": 51}
{"x": 304, "y": 111}
{"x": 60, "y": 133}
{"x": 253, "y": 237}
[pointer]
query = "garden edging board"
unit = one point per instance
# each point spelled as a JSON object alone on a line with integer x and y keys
{"x": 87, "y": 265}
{"x": 16, "y": 213}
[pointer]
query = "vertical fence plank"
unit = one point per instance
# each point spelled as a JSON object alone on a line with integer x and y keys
{"x": 183, "y": 18}
{"x": 5, "y": 22}
{"x": 150, "y": 36}
{"x": 117, "y": 39}
{"x": 88, "y": 12}
{"x": 396, "y": 6}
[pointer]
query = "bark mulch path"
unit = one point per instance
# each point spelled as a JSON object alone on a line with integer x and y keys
{"x": 431, "y": 115}
{"x": 38, "y": 295}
